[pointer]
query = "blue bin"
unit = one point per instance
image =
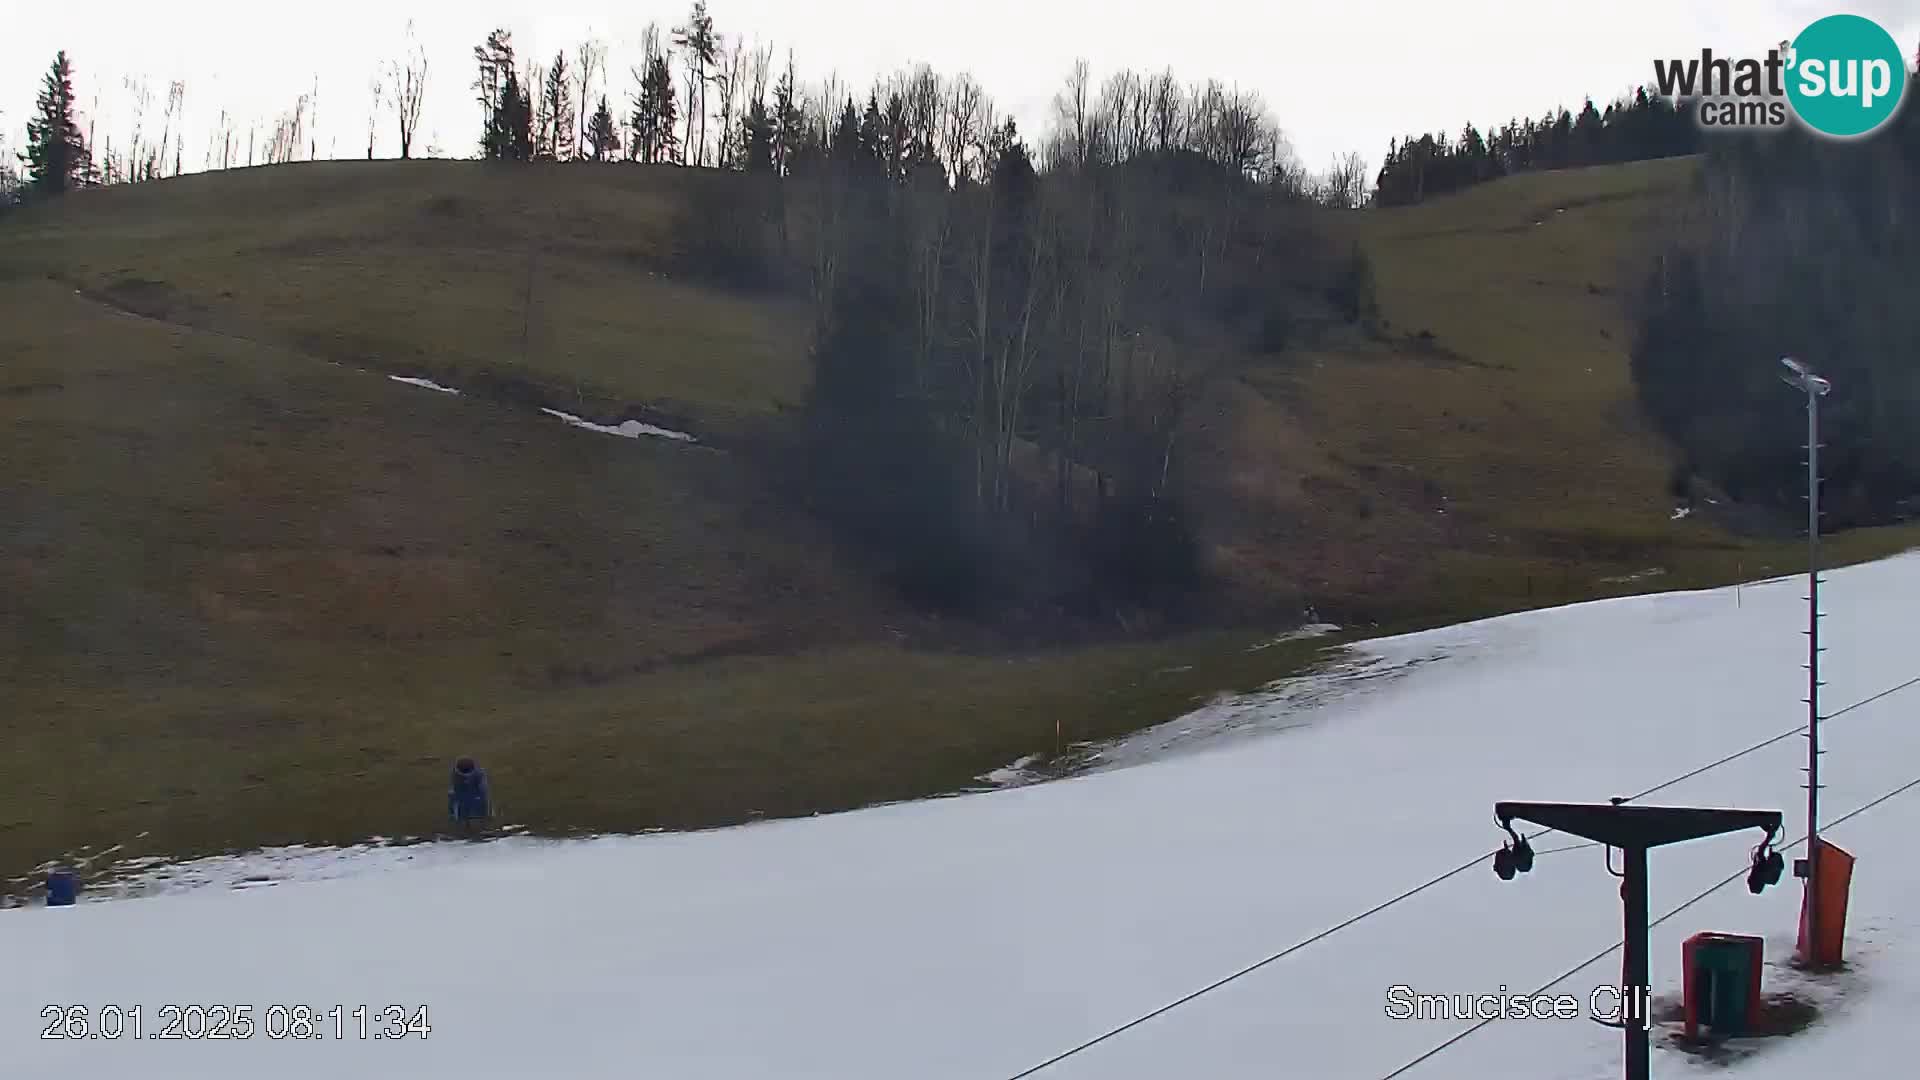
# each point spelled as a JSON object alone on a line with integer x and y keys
{"x": 62, "y": 888}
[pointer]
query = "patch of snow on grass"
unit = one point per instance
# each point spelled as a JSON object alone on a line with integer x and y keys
{"x": 427, "y": 384}
{"x": 151, "y": 875}
{"x": 1282, "y": 705}
{"x": 1635, "y": 578}
{"x": 626, "y": 429}
{"x": 1311, "y": 630}
{"x": 1012, "y": 775}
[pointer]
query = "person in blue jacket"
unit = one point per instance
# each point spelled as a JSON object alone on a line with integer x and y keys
{"x": 63, "y": 887}
{"x": 468, "y": 800}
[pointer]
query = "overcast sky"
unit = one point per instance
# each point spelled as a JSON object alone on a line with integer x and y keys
{"x": 1339, "y": 76}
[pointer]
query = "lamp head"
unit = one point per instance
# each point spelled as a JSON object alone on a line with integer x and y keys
{"x": 1802, "y": 377}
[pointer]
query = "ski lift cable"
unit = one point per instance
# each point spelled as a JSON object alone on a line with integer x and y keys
{"x": 1431, "y": 882}
{"x": 1462, "y": 1034}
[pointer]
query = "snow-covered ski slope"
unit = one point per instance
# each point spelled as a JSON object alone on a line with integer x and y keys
{"x": 972, "y": 938}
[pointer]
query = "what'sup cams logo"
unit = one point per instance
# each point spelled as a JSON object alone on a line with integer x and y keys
{"x": 1843, "y": 77}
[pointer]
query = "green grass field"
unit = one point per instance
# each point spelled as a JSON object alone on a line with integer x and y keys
{"x": 253, "y": 592}
{"x": 558, "y": 276}
{"x": 253, "y": 597}
{"x": 1488, "y": 452}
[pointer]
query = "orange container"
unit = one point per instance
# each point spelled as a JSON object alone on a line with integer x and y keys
{"x": 1834, "y": 872}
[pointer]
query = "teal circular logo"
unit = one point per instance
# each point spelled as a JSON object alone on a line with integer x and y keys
{"x": 1846, "y": 76}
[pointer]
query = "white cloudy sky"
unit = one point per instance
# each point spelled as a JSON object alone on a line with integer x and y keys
{"x": 1340, "y": 76}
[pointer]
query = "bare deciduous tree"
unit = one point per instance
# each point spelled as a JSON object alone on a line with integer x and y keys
{"x": 1075, "y": 141}
{"x": 407, "y": 80}
{"x": 176, "y": 101}
{"x": 1123, "y": 115}
{"x": 728, "y": 66}
{"x": 1345, "y": 186}
{"x": 1244, "y": 139}
{"x": 590, "y": 62}
{"x": 289, "y": 132}
{"x": 759, "y": 69}
{"x": 961, "y": 128}
{"x": 1166, "y": 118}
{"x": 140, "y": 97}
{"x": 823, "y": 107}
{"x": 920, "y": 92}
{"x": 375, "y": 89}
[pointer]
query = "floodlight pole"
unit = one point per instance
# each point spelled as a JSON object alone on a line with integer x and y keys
{"x": 1814, "y": 387}
{"x": 1813, "y": 671}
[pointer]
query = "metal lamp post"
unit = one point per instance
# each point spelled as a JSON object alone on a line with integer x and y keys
{"x": 1802, "y": 378}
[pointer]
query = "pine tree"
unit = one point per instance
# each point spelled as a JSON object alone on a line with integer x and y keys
{"x": 789, "y": 123}
{"x": 846, "y": 135}
{"x": 510, "y": 134}
{"x": 523, "y": 124}
{"x": 556, "y": 112}
{"x": 495, "y": 60}
{"x": 702, "y": 46}
{"x": 1587, "y": 136}
{"x": 655, "y": 112}
{"x": 1474, "y": 165}
{"x": 603, "y": 136}
{"x": 873, "y": 131}
{"x": 757, "y": 140}
{"x": 56, "y": 157}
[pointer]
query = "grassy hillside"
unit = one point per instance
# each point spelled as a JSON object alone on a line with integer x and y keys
{"x": 1487, "y": 451}
{"x": 251, "y": 591}
{"x": 248, "y": 595}
{"x": 559, "y": 276}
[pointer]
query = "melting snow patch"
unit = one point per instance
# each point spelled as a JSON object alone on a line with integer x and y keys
{"x": 626, "y": 429}
{"x": 1282, "y": 705}
{"x": 266, "y": 867}
{"x": 1311, "y": 630}
{"x": 1634, "y": 578}
{"x": 1012, "y": 775}
{"x": 426, "y": 383}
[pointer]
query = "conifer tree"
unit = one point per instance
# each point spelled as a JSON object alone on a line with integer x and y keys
{"x": 56, "y": 157}
{"x": 603, "y": 136}
{"x": 556, "y": 113}
{"x": 495, "y": 61}
{"x": 510, "y": 134}
{"x": 757, "y": 139}
{"x": 655, "y": 112}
